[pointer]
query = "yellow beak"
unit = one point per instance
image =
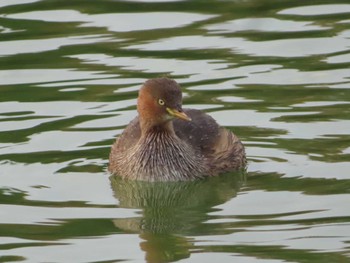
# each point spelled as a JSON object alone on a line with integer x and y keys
{"x": 178, "y": 114}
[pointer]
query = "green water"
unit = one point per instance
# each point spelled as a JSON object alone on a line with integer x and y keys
{"x": 274, "y": 72}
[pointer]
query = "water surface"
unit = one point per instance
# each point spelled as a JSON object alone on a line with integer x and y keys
{"x": 274, "y": 72}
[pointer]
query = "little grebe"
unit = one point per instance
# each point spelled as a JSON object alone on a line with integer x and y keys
{"x": 168, "y": 143}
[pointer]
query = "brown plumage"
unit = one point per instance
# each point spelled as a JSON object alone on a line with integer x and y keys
{"x": 167, "y": 143}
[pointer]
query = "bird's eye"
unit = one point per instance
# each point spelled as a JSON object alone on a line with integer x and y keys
{"x": 161, "y": 102}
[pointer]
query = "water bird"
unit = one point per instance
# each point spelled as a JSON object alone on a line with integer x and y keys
{"x": 168, "y": 143}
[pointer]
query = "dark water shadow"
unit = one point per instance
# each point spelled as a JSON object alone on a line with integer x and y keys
{"x": 171, "y": 211}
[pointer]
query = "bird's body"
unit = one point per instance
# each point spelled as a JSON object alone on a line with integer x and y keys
{"x": 155, "y": 146}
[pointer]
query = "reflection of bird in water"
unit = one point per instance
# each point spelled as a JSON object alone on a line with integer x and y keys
{"x": 172, "y": 210}
{"x": 167, "y": 143}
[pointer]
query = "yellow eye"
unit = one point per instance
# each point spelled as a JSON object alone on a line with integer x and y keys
{"x": 161, "y": 102}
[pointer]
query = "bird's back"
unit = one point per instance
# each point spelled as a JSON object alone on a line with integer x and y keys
{"x": 222, "y": 148}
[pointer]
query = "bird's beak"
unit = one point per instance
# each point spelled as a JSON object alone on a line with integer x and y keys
{"x": 178, "y": 114}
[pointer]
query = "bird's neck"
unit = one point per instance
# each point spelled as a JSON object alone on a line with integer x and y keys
{"x": 150, "y": 128}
